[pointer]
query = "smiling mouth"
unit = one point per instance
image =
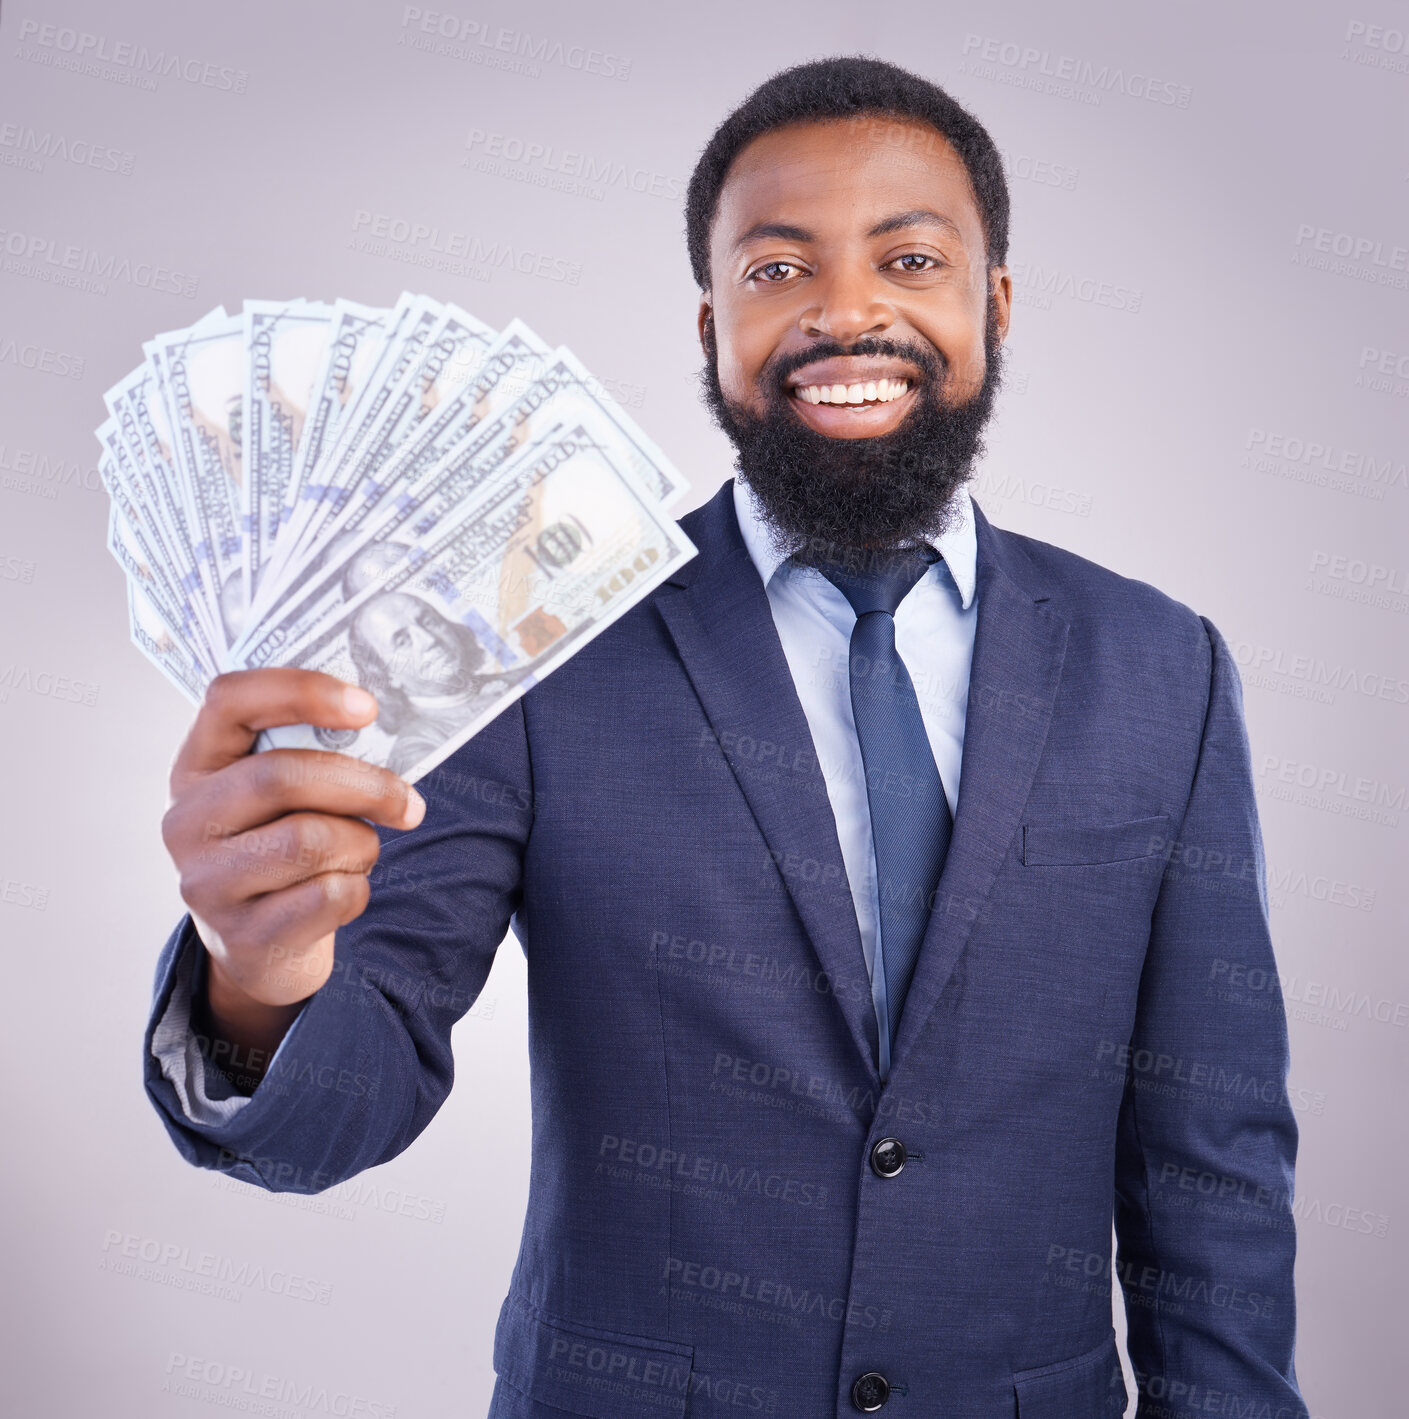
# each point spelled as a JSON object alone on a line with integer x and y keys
{"x": 870, "y": 392}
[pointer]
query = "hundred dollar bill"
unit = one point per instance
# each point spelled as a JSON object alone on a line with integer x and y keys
{"x": 201, "y": 371}
{"x": 276, "y": 475}
{"x": 358, "y": 336}
{"x": 518, "y": 393}
{"x": 418, "y": 508}
{"x": 154, "y": 630}
{"x": 449, "y": 631}
{"x": 136, "y": 541}
{"x": 513, "y": 396}
{"x": 491, "y": 379}
{"x": 128, "y": 549}
{"x": 497, "y": 380}
{"x": 562, "y": 390}
{"x": 285, "y": 350}
{"x": 154, "y": 637}
{"x": 345, "y": 565}
{"x": 138, "y": 408}
{"x": 453, "y": 352}
{"x": 130, "y": 485}
{"x": 401, "y": 355}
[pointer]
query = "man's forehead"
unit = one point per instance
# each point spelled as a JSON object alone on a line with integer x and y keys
{"x": 872, "y": 162}
{"x": 390, "y": 608}
{"x": 893, "y": 145}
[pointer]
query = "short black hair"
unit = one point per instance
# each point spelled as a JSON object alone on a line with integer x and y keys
{"x": 848, "y": 86}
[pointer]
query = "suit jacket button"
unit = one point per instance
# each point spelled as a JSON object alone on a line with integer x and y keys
{"x": 870, "y": 1391}
{"x": 887, "y": 1157}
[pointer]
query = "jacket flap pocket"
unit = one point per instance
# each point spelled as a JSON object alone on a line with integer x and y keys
{"x": 1057, "y": 844}
{"x": 1089, "y": 1386}
{"x": 586, "y": 1370}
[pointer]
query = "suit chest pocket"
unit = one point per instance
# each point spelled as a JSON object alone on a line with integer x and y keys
{"x": 1089, "y": 845}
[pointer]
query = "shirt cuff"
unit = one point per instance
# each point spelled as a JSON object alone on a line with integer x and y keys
{"x": 205, "y": 1094}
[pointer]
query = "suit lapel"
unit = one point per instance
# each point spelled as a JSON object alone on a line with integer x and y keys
{"x": 1019, "y": 645}
{"x": 717, "y": 612}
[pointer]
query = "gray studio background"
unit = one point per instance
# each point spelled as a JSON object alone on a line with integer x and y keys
{"x": 1209, "y": 390}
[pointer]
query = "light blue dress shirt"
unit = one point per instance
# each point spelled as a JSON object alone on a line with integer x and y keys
{"x": 934, "y": 635}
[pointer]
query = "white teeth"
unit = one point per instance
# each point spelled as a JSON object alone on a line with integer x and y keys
{"x": 880, "y": 391}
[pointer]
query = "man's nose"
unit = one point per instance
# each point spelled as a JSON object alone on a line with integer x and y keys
{"x": 421, "y": 638}
{"x": 850, "y": 302}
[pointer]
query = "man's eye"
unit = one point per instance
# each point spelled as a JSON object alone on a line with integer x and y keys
{"x": 401, "y": 640}
{"x": 913, "y": 256}
{"x": 774, "y": 266}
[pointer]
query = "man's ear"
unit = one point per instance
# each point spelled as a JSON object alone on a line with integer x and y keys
{"x": 704, "y": 323}
{"x": 1000, "y": 292}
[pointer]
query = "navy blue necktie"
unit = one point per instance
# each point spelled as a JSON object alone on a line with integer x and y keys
{"x": 910, "y": 819}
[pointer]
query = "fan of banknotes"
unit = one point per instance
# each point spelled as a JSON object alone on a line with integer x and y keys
{"x": 405, "y": 498}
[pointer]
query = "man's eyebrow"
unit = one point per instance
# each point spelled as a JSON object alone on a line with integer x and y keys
{"x": 916, "y": 217}
{"x": 782, "y": 230}
{"x": 900, "y": 221}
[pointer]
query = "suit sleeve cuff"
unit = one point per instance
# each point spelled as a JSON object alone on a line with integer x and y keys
{"x": 204, "y": 1092}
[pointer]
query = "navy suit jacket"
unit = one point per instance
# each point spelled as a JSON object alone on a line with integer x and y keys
{"x": 705, "y": 1231}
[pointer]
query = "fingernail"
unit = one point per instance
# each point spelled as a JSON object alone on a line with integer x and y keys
{"x": 415, "y": 808}
{"x": 357, "y": 701}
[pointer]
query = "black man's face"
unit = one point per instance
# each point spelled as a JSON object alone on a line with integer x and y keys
{"x": 852, "y": 328}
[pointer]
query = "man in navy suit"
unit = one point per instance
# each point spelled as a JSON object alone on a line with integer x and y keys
{"x": 878, "y": 876}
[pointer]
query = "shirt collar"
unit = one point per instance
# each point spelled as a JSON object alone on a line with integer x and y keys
{"x": 958, "y": 545}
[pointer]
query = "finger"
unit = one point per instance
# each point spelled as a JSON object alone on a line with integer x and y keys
{"x": 241, "y": 704}
{"x": 260, "y": 787}
{"x": 229, "y": 871}
{"x": 275, "y": 931}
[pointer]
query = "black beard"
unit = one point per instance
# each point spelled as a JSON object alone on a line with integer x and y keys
{"x": 821, "y": 496}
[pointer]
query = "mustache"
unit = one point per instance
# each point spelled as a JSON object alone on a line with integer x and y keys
{"x": 888, "y": 490}
{"x": 925, "y": 358}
